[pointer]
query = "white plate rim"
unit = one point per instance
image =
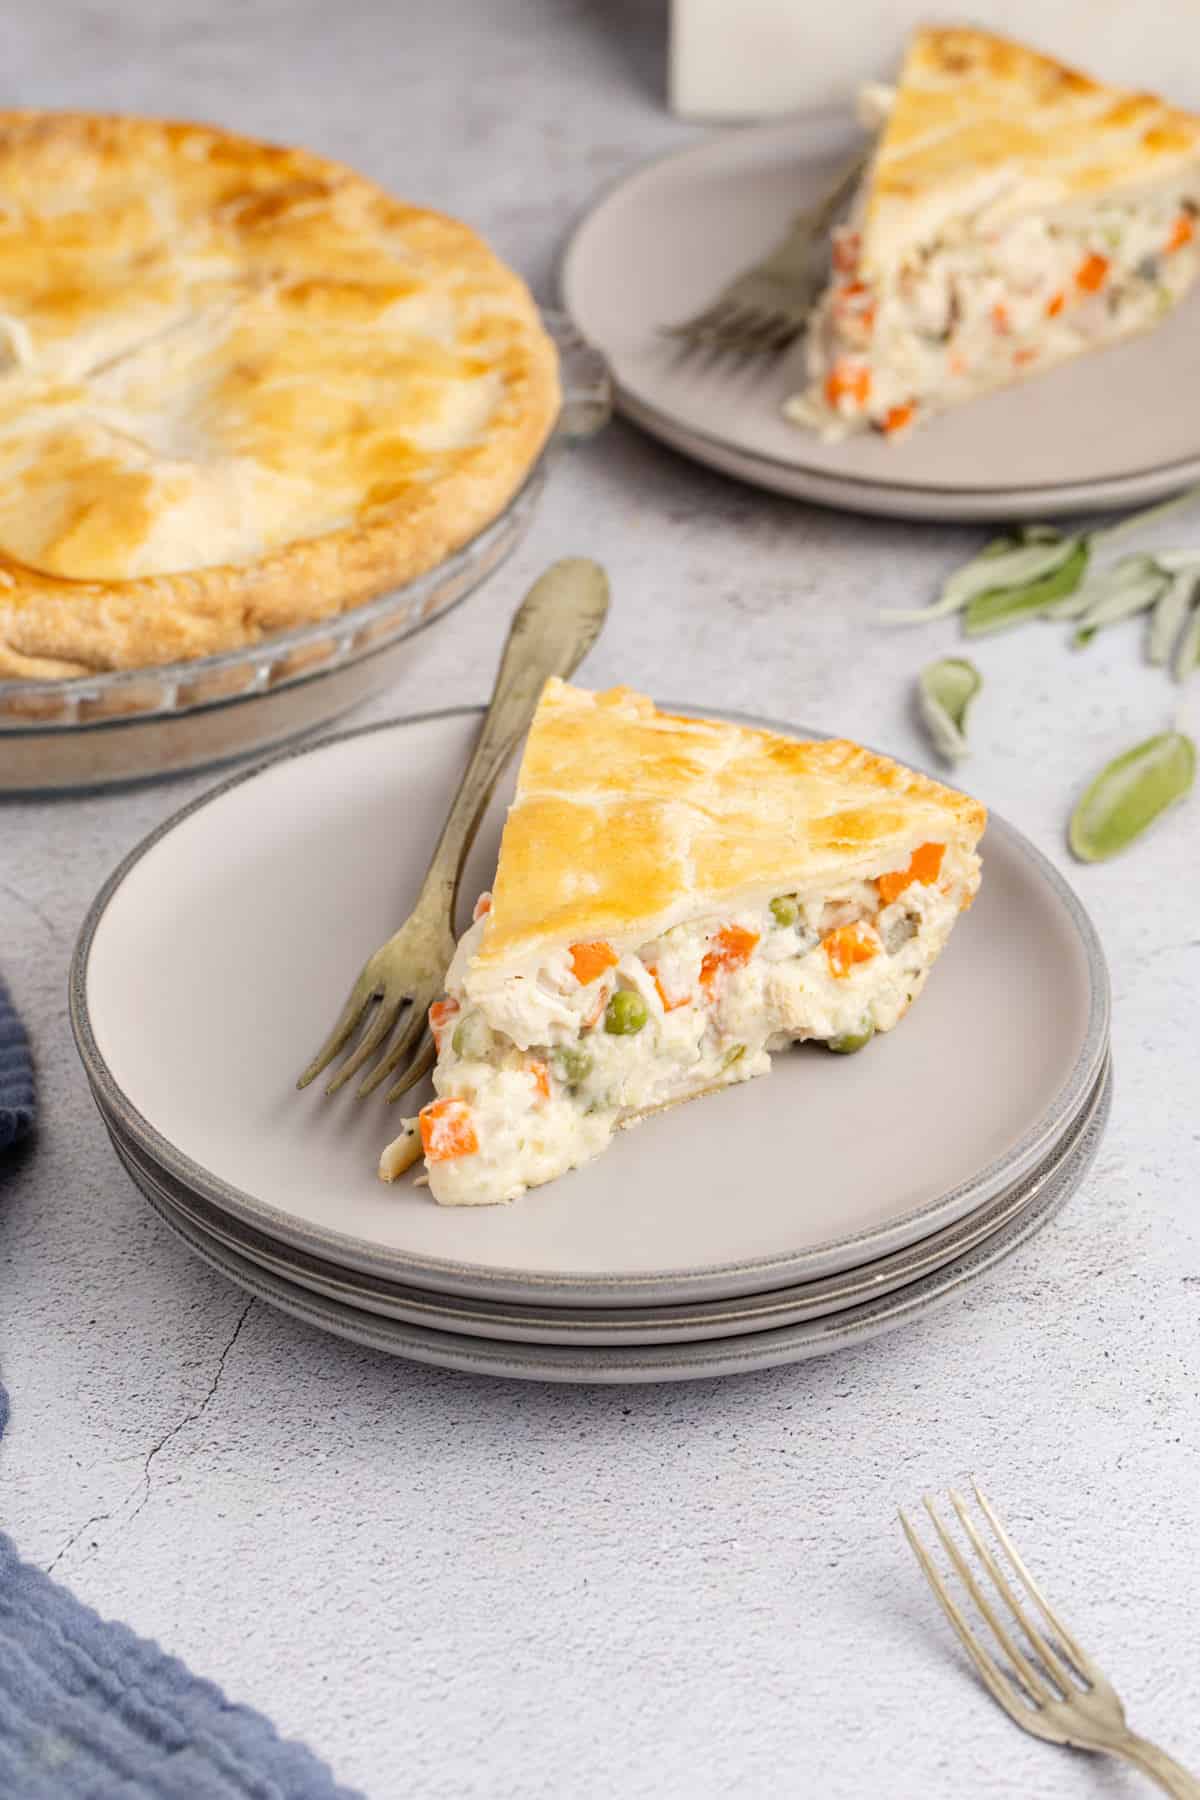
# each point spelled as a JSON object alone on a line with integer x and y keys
{"x": 803, "y": 479}
{"x": 451, "y": 1275}
{"x": 693, "y": 1361}
{"x": 897, "y": 500}
{"x": 612, "y": 1328}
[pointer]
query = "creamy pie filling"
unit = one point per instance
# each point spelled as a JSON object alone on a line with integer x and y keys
{"x": 981, "y": 306}
{"x": 535, "y": 1074}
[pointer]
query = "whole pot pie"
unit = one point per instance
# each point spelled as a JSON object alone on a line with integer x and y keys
{"x": 242, "y": 388}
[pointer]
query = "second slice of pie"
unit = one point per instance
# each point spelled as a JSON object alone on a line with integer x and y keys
{"x": 676, "y": 898}
{"x": 1014, "y": 214}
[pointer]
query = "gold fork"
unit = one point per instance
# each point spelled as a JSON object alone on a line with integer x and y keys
{"x": 766, "y": 306}
{"x": 555, "y": 626}
{"x": 1056, "y": 1692}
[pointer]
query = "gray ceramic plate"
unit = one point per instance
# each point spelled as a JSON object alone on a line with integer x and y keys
{"x": 1104, "y": 431}
{"x": 663, "y": 1362}
{"x": 215, "y": 957}
{"x": 606, "y": 1326}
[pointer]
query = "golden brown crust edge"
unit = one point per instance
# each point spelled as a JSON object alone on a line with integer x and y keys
{"x": 52, "y": 628}
{"x": 169, "y": 618}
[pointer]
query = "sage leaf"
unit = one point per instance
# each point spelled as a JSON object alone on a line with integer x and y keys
{"x": 1129, "y": 793}
{"x": 1170, "y": 611}
{"x": 994, "y": 570}
{"x": 1187, "y": 657}
{"x": 1147, "y": 516}
{"x": 1099, "y": 586}
{"x": 1071, "y": 606}
{"x": 1128, "y": 588}
{"x": 945, "y": 692}
{"x": 1000, "y": 608}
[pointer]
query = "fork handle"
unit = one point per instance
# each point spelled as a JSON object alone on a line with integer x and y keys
{"x": 554, "y": 628}
{"x": 1162, "y": 1769}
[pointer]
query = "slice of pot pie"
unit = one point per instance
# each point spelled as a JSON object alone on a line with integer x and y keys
{"x": 676, "y": 898}
{"x": 1014, "y": 214}
{"x": 242, "y": 388}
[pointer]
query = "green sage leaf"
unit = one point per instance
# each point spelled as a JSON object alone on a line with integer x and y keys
{"x": 994, "y": 570}
{"x": 1170, "y": 611}
{"x": 1148, "y": 514}
{"x": 1128, "y": 588}
{"x": 1129, "y": 793}
{"x": 945, "y": 692}
{"x": 1003, "y": 607}
{"x": 1187, "y": 656}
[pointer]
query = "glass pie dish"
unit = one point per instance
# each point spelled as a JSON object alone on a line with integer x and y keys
{"x": 99, "y": 731}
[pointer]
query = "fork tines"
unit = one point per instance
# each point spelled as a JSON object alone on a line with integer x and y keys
{"x": 1052, "y": 1665}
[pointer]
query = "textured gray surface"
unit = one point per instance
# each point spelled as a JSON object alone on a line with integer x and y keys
{"x": 454, "y": 1587}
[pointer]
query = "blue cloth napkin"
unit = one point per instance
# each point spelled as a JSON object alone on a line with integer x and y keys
{"x": 16, "y": 1076}
{"x": 88, "y": 1710}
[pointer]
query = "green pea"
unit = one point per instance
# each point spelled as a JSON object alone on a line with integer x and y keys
{"x": 784, "y": 910}
{"x": 625, "y": 1013}
{"x": 850, "y": 1041}
{"x": 472, "y": 1036}
{"x": 571, "y": 1065}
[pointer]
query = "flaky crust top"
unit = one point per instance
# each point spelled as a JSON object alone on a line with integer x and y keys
{"x": 241, "y": 387}
{"x": 980, "y": 122}
{"x": 628, "y": 820}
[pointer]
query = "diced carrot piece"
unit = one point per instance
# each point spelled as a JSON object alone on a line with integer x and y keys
{"x": 1182, "y": 232}
{"x": 1000, "y": 318}
{"x": 845, "y": 251}
{"x": 482, "y": 906}
{"x": 848, "y": 945}
{"x": 855, "y": 309}
{"x": 1092, "y": 273}
{"x": 850, "y": 379}
{"x": 540, "y": 1076}
{"x": 447, "y": 1130}
{"x": 1055, "y": 304}
{"x": 897, "y": 417}
{"x": 440, "y": 1015}
{"x": 731, "y": 949}
{"x": 957, "y": 363}
{"x": 925, "y": 863}
{"x": 589, "y": 961}
{"x": 668, "y": 1005}
{"x": 1023, "y": 357}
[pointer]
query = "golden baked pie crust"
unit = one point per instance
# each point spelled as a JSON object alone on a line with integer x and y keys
{"x": 627, "y": 820}
{"x": 975, "y": 114}
{"x": 209, "y": 341}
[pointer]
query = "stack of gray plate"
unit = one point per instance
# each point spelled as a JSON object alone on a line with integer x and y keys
{"x": 777, "y": 1220}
